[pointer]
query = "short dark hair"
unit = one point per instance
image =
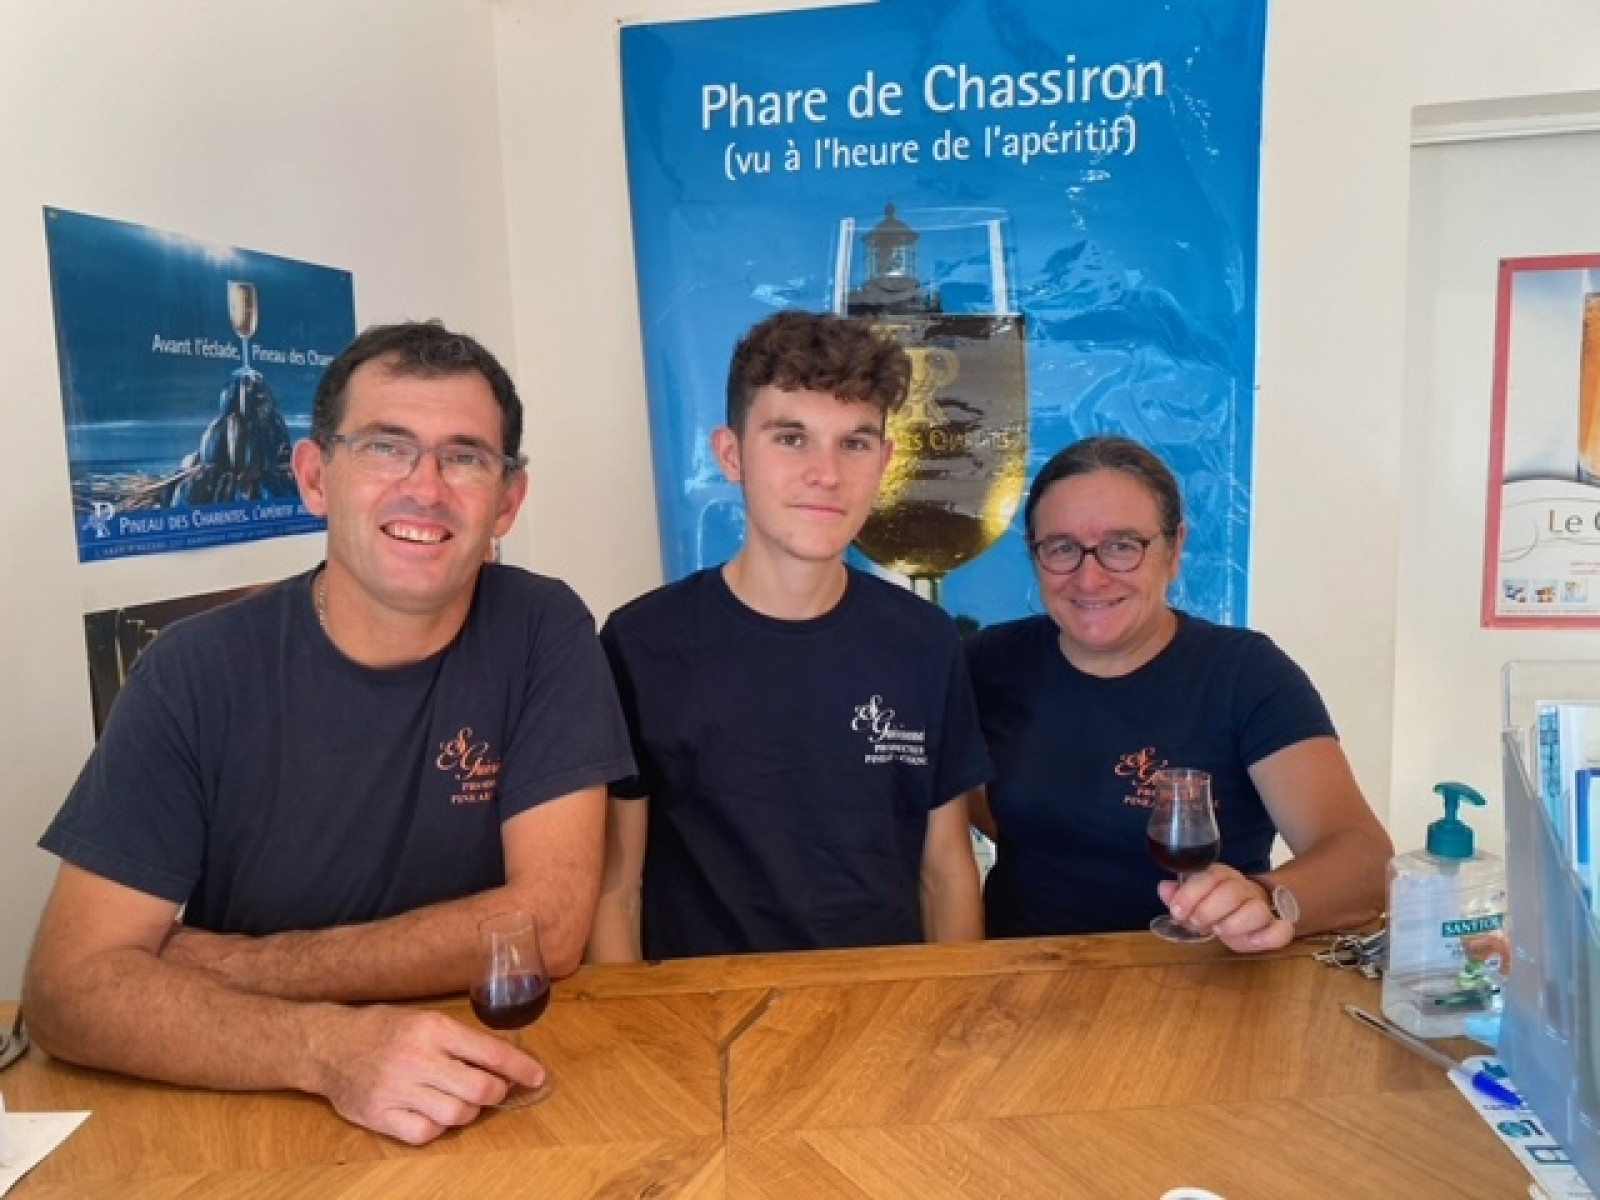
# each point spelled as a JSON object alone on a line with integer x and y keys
{"x": 817, "y": 352}
{"x": 1110, "y": 453}
{"x": 424, "y": 349}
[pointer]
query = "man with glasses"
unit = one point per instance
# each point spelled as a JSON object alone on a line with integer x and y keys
{"x": 805, "y": 732}
{"x": 334, "y": 780}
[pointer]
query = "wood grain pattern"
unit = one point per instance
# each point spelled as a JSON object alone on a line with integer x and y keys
{"x": 691, "y": 1169}
{"x": 1385, "y": 1146}
{"x": 1063, "y": 1067}
{"x": 877, "y": 963}
{"x": 924, "y": 1051}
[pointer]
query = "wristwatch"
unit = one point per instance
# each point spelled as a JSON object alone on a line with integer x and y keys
{"x": 1282, "y": 903}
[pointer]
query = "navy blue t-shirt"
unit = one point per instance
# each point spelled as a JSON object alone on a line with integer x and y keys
{"x": 790, "y": 765}
{"x": 1074, "y": 754}
{"x": 252, "y": 772}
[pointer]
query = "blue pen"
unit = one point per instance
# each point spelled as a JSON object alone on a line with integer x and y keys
{"x": 1480, "y": 1079}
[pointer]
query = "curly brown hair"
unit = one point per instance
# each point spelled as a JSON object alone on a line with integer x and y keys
{"x": 797, "y": 351}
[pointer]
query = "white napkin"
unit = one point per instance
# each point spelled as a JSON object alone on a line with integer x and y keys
{"x": 26, "y": 1138}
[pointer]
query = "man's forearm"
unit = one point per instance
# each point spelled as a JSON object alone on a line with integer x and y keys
{"x": 408, "y": 1073}
{"x": 952, "y": 915}
{"x": 124, "y": 1010}
{"x": 616, "y": 929}
{"x": 952, "y": 902}
{"x": 427, "y": 952}
{"x": 552, "y": 856}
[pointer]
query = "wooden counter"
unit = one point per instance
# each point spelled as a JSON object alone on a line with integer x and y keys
{"x": 1100, "y": 1067}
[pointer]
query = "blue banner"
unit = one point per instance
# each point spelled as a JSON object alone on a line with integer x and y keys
{"x": 188, "y": 371}
{"x": 1053, "y": 206}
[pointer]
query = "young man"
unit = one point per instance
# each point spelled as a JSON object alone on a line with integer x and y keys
{"x": 336, "y": 779}
{"x": 805, "y": 733}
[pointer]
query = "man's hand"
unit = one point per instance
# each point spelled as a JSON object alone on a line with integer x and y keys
{"x": 412, "y": 1075}
{"x": 102, "y": 990}
{"x": 1232, "y": 906}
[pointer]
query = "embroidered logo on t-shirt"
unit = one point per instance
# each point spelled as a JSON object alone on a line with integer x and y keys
{"x": 886, "y": 741}
{"x": 474, "y": 766}
{"x": 1140, "y": 767}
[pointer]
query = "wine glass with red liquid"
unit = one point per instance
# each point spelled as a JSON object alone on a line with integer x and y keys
{"x": 511, "y": 987}
{"x": 1182, "y": 836}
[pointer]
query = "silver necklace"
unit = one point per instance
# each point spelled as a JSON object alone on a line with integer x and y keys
{"x": 319, "y": 596}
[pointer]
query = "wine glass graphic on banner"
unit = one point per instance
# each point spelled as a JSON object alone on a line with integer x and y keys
{"x": 244, "y": 314}
{"x": 937, "y": 281}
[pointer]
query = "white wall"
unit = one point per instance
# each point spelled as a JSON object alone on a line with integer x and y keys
{"x": 1473, "y": 203}
{"x": 361, "y": 134}
{"x": 374, "y": 136}
{"x": 1339, "y": 463}
{"x": 592, "y": 516}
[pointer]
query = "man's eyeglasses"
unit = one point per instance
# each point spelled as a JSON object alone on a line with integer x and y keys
{"x": 1064, "y": 555}
{"x": 388, "y": 456}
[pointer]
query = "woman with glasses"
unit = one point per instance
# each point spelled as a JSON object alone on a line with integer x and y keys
{"x": 1081, "y": 707}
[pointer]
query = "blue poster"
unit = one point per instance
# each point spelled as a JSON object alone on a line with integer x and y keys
{"x": 1053, "y": 206}
{"x": 187, "y": 373}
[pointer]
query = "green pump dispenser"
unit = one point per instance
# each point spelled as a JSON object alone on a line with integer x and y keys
{"x": 1451, "y": 837}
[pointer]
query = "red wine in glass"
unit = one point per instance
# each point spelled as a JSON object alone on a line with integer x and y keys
{"x": 511, "y": 987}
{"x": 1183, "y": 860}
{"x": 1182, "y": 836}
{"x": 512, "y": 1001}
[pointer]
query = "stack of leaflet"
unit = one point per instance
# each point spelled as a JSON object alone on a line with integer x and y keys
{"x": 1569, "y": 783}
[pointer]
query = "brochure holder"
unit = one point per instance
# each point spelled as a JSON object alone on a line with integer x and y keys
{"x": 1550, "y": 1033}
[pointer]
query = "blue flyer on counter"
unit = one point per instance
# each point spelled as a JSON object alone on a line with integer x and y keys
{"x": 1520, "y": 1128}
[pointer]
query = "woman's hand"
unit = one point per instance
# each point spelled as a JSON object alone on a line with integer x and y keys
{"x": 1234, "y": 907}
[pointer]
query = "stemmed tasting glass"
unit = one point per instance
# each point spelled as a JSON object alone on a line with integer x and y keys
{"x": 511, "y": 987}
{"x": 244, "y": 314}
{"x": 1182, "y": 836}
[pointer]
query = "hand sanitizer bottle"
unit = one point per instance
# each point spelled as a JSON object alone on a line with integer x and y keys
{"x": 1449, "y": 948}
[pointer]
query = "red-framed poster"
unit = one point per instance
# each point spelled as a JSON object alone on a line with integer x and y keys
{"x": 1542, "y": 558}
